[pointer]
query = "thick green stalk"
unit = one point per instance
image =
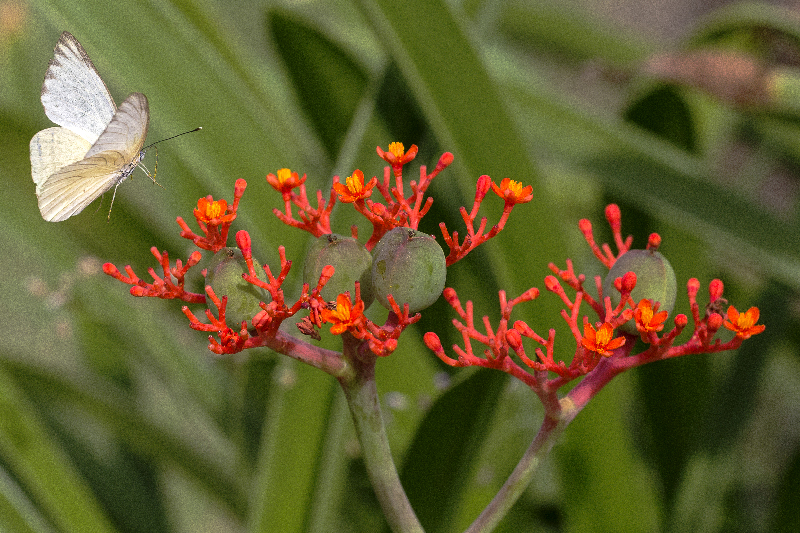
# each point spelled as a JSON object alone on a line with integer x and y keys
{"x": 362, "y": 398}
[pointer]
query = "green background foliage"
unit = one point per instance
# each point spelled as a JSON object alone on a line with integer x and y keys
{"x": 114, "y": 417}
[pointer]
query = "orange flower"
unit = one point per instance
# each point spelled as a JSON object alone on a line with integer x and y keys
{"x": 213, "y": 212}
{"x": 513, "y": 192}
{"x": 397, "y": 156}
{"x": 285, "y": 181}
{"x": 744, "y": 324}
{"x": 344, "y": 315}
{"x": 601, "y": 340}
{"x": 647, "y": 319}
{"x": 353, "y": 188}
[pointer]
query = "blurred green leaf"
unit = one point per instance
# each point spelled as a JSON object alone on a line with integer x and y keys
{"x": 443, "y": 455}
{"x": 569, "y": 33}
{"x": 595, "y": 458}
{"x": 745, "y": 21}
{"x": 293, "y": 442}
{"x": 43, "y": 469}
{"x": 17, "y": 512}
{"x": 140, "y": 434}
{"x": 328, "y": 81}
{"x": 665, "y": 113}
{"x": 787, "y": 516}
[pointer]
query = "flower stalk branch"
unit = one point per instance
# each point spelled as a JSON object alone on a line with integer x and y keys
{"x": 520, "y": 477}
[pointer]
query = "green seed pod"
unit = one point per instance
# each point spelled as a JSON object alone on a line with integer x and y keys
{"x": 655, "y": 280}
{"x": 409, "y": 265}
{"x": 224, "y": 274}
{"x": 352, "y": 263}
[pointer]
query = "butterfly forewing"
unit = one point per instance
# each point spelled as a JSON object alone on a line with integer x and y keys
{"x": 52, "y": 149}
{"x": 127, "y": 130}
{"x": 73, "y": 94}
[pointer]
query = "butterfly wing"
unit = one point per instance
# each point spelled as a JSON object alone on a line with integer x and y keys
{"x": 73, "y": 94}
{"x": 127, "y": 130}
{"x": 107, "y": 163}
{"x": 73, "y": 187}
{"x": 52, "y": 149}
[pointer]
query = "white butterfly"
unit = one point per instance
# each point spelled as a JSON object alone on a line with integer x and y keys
{"x": 98, "y": 146}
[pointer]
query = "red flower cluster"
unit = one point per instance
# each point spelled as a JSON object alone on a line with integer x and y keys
{"x": 595, "y": 342}
{"x": 214, "y": 218}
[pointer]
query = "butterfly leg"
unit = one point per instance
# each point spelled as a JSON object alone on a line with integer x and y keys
{"x": 112, "y": 201}
{"x": 155, "y": 169}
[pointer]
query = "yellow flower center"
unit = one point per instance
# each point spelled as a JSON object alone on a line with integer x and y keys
{"x": 211, "y": 209}
{"x": 397, "y": 149}
{"x": 354, "y": 184}
{"x": 214, "y": 209}
{"x": 745, "y": 320}
{"x": 284, "y": 175}
{"x": 604, "y": 335}
{"x": 342, "y": 313}
{"x": 514, "y": 187}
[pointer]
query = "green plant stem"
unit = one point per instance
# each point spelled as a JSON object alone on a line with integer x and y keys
{"x": 362, "y": 398}
{"x": 558, "y": 415}
{"x": 520, "y": 478}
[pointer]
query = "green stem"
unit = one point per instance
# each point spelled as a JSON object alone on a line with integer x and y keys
{"x": 558, "y": 415}
{"x": 362, "y": 398}
{"x": 520, "y": 478}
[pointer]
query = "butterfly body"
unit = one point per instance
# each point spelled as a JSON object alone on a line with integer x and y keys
{"x": 96, "y": 147}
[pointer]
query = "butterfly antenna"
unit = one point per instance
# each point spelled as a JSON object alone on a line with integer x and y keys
{"x": 144, "y": 168}
{"x": 168, "y": 138}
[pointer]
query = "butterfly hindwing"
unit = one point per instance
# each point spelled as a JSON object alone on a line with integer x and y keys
{"x": 73, "y": 187}
{"x": 52, "y": 149}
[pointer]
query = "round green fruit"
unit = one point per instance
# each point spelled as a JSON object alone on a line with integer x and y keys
{"x": 655, "y": 280}
{"x": 224, "y": 274}
{"x": 409, "y": 265}
{"x": 351, "y": 260}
